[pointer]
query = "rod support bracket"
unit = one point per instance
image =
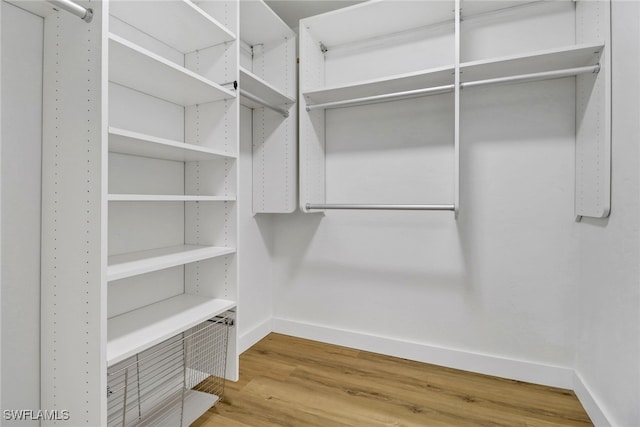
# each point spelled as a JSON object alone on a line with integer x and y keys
{"x": 88, "y": 17}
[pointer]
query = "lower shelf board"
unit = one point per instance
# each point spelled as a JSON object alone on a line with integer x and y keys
{"x": 172, "y": 413}
{"x": 138, "y": 330}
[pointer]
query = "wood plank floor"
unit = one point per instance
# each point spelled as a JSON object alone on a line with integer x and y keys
{"x": 286, "y": 381}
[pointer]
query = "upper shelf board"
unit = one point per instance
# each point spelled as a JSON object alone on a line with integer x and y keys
{"x": 142, "y": 70}
{"x": 167, "y": 198}
{"x": 177, "y": 23}
{"x": 534, "y": 62}
{"x": 254, "y": 85}
{"x": 402, "y": 82}
{"x": 137, "y": 144}
{"x": 376, "y": 18}
{"x": 260, "y": 25}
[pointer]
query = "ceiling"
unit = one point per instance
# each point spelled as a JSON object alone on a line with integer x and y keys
{"x": 291, "y": 11}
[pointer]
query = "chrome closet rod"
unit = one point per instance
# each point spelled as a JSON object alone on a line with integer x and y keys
{"x": 521, "y": 78}
{"x": 86, "y": 14}
{"x": 262, "y": 102}
{"x": 386, "y": 97}
{"x": 320, "y": 206}
{"x": 566, "y": 72}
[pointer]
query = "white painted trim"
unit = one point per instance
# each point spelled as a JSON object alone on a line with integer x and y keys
{"x": 554, "y": 376}
{"x": 590, "y": 403}
{"x": 255, "y": 334}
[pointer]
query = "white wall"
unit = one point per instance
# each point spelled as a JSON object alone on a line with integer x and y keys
{"x": 499, "y": 281}
{"x": 608, "y": 294}
{"x": 22, "y": 34}
{"x": 255, "y": 240}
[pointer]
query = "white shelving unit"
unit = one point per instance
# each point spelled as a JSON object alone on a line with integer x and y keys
{"x": 267, "y": 85}
{"x": 145, "y": 165}
{"x": 365, "y": 37}
{"x": 194, "y": 240}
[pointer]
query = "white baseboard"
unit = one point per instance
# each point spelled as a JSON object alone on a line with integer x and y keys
{"x": 589, "y": 402}
{"x": 255, "y": 334}
{"x": 485, "y": 364}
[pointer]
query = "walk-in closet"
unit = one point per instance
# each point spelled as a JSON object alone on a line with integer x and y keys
{"x": 301, "y": 213}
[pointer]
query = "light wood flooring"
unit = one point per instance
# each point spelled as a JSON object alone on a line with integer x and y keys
{"x": 287, "y": 381}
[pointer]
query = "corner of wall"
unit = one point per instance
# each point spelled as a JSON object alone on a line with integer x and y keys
{"x": 590, "y": 402}
{"x": 251, "y": 337}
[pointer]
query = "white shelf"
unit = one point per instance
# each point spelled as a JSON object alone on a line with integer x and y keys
{"x": 196, "y": 403}
{"x": 140, "y": 329}
{"x": 179, "y": 24}
{"x": 375, "y": 19}
{"x": 190, "y": 404}
{"x": 167, "y": 198}
{"x": 254, "y": 85}
{"x": 137, "y": 144}
{"x": 402, "y": 82}
{"x": 135, "y": 263}
{"x": 142, "y": 70}
{"x": 533, "y": 62}
{"x": 260, "y": 25}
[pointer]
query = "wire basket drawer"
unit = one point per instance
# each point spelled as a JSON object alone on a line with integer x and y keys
{"x": 171, "y": 383}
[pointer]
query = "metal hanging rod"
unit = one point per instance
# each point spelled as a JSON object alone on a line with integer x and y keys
{"x": 86, "y": 14}
{"x": 381, "y": 98}
{"x": 264, "y": 103}
{"x": 320, "y": 206}
{"x": 534, "y": 76}
{"x": 449, "y": 88}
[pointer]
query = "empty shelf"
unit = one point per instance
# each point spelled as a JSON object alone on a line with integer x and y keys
{"x": 134, "y": 263}
{"x": 142, "y": 70}
{"x": 138, "y": 144}
{"x": 260, "y": 25}
{"x": 195, "y": 404}
{"x": 167, "y": 198}
{"x": 534, "y": 66}
{"x": 179, "y": 24}
{"x": 254, "y": 85}
{"x": 402, "y": 82}
{"x": 530, "y": 63}
{"x": 140, "y": 329}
